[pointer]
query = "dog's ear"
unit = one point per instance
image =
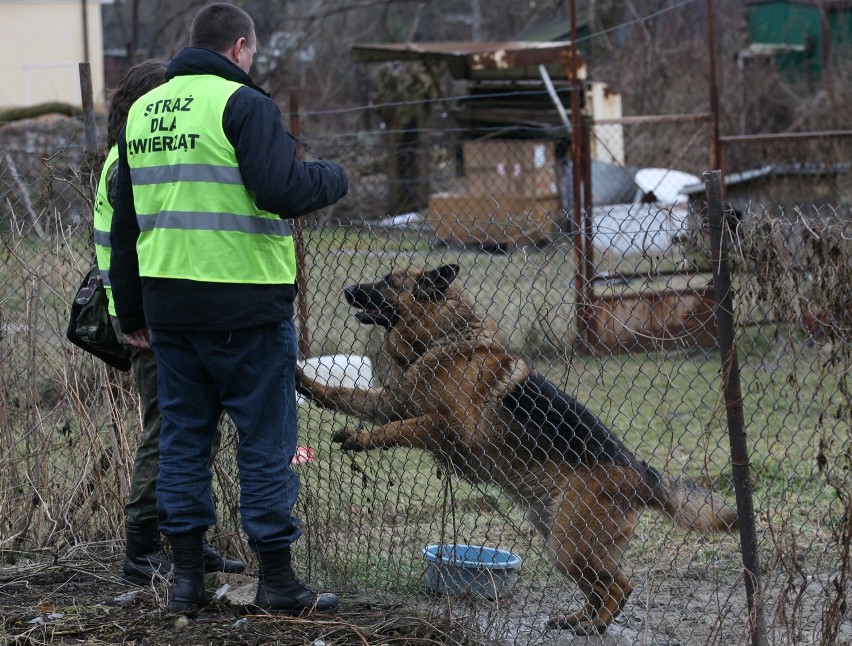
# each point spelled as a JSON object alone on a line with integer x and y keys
{"x": 434, "y": 282}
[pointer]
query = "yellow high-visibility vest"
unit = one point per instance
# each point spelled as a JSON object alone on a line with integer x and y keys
{"x": 196, "y": 218}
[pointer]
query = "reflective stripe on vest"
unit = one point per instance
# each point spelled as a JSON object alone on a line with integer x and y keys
{"x": 103, "y": 223}
{"x": 186, "y": 173}
{"x": 196, "y": 219}
{"x": 214, "y": 221}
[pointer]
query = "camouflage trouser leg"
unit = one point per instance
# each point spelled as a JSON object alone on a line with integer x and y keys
{"x": 141, "y": 504}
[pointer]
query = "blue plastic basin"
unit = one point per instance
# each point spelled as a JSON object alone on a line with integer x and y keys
{"x": 470, "y": 569}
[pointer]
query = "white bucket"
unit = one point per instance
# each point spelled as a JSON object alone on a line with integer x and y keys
{"x": 346, "y": 370}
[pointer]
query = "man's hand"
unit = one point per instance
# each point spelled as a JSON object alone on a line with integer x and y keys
{"x": 139, "y": 338}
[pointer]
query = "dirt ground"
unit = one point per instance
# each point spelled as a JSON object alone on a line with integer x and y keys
{"x": 83, "y": 601}
{"x": 71, "y": 604}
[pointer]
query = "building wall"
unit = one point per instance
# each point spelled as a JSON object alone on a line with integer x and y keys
{"x": 44, "y": 45}
{"x": 604, "y": 103}
{"x": 804, "y": 23}
{"x": 789, "y": 23}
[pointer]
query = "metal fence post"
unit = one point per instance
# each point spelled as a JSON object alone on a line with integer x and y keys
{"x": 89, "y": 125}
{"x": 91, "y": 165}
{"x": 298, "y": 239}
{"x": 734, "y": 405}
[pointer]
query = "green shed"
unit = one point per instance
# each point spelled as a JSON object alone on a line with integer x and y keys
{"x": 804, "y": 36}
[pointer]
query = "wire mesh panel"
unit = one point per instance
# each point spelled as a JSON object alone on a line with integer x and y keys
{"x": 66, "y": 450}
{"x": 503, "y": 445}
{"x": 505, "y": 426}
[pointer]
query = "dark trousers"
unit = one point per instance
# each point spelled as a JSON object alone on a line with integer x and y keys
{"x": 250, "y": 374}
{"x": 141, "y": 503}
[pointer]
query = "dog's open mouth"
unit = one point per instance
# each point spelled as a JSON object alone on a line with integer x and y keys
{"x": 375, "y": 310}
{"x": 376, "y": 316}
{"x": 372, "y": 316}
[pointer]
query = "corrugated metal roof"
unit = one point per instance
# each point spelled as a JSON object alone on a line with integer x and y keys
{"x": 776, "y": 170}
{"x": 555, "y": 29}
{"x": 466, "y": 59}
{"x": 549, "y": 50}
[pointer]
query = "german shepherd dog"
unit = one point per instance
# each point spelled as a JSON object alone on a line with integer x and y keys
{"x": 453, "y": 390}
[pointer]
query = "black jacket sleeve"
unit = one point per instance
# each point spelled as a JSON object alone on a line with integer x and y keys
{"x": 279, "y": 182}
{"x": 124, "y": 264}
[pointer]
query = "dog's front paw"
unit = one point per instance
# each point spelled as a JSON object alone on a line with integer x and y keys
{"x": 303, "y": 383}
{"x": 350, "y": 440}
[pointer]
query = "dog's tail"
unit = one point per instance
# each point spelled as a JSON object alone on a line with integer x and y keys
{"x": 689, "y": 505}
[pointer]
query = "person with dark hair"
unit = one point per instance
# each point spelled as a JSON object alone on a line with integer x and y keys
{"x": 204, "y": 270}
{"x": 144, "y": 558}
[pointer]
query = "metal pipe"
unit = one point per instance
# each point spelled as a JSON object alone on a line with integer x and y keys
{"x": 719, "y": 243}
{"x": 548, "y": 83}
{"x": 654, "y": 118}
{"x": 786, "y": 136}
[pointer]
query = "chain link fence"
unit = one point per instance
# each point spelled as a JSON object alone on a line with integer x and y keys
{"x": 625, "y": 323}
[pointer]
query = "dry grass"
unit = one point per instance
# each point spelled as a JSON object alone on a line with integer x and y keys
{"x": 68, "y": 427}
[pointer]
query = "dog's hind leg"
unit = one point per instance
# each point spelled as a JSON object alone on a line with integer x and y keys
{"x": 605, "y": 599}
{"x": 589, "y": 535}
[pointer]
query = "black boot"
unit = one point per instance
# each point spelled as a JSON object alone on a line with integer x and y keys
{"x": 215, "y": 561}
{"x": 187, "y": 593}
{"x": 279, "y": 591}
{"x": 145, "y": 559}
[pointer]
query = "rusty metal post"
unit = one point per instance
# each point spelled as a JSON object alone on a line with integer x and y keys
{"x": 715, "y": 145}
{"x": 588, "y": 235}
{"x": 298, "y": 239}
{"x": 581, "y": 245}
{"x": 734, "y": 405}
